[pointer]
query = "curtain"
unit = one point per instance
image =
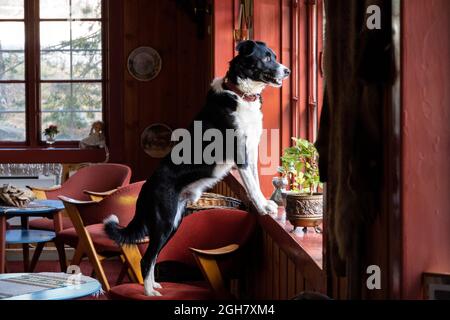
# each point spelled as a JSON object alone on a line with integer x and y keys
{"x": 358, "y": 70}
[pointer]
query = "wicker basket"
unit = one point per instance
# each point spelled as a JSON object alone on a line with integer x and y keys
{"x": 16, "y": 197}
{"x": 214, "y": 201}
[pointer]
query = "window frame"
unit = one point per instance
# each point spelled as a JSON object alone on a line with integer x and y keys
{"x": 33, "y": 81}
{"x": 307, "y": 26}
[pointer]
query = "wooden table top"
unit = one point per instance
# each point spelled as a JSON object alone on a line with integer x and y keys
{"x": 34, "y": 208}
{"x": 88, "y": 286}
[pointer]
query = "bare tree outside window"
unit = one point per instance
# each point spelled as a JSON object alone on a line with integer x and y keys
{"x": 70, "y": 63}
{"x": 12, "y": 70}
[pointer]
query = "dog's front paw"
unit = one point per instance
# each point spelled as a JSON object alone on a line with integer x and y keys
{"x": 270, "y": 207}
{"x": 150, "y": 292}
{"x": 157, "y": 285}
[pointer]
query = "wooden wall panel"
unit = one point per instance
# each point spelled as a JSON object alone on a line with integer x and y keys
{"x": 268, "y": 15}
{"x": 277, "y": 269}
{"x": 223, "y": 189}
{"x": 271, "y": 272}
{"x": 286, "y": 59}
{"x": 276, "y": 102}
{"x": 131, "y": 93}
{"x": 283, "y": 276}
{"x": 291, "y": 282}
{"x": 277, "y": 277}
{"x": 114, "y": 95}
{"x": 268, "y": 263}
{"x": 299, "y": 281}
{"x": 176, "y": 95}
{"x": 224, "y": 20}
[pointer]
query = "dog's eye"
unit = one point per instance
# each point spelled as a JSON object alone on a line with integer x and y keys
{"x": 267, "y": 59}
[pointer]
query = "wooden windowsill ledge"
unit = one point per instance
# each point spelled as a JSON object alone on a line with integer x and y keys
{"x": 305, "y": 249}
{"x": 300, "y": 246}
{"x": 50, "y": 155}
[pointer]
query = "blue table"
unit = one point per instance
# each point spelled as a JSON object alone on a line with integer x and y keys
{"x": 18, "y": 236}
{"x": 38, "y": 208}
{"x": 88, "y": 286}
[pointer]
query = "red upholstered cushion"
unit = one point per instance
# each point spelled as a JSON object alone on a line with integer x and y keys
{"x": 207, "y": 229}
{"x": 100, "y": 239}
{"x": 47, "y": 224}
{"x": 169, "y": 291}
{"x": 122, "y": 203}
{"x": 97, "y": 177}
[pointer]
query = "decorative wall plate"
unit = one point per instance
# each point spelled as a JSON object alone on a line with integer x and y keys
{"x": 144, "y": 63}
{"x": 155, "y": 140}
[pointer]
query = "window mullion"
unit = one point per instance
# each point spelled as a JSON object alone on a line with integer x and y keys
{"x": 295, "y": 25}
{"x": 311, "y": 76}
{"x": 32, "y": 64}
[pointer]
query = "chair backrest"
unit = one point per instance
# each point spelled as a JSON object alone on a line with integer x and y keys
{"x": 207, "y": 229}
{"x": 122, "y": 203}
{"x": 97, "y": 177}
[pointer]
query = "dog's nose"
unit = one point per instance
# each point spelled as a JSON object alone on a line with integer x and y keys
{"x": 287, "y": 72}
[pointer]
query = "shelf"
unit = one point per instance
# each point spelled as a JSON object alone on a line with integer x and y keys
{"x": 51, "y": 155}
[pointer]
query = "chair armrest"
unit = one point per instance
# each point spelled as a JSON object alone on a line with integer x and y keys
{"x": 98, "y": 196}
{"x": 216, "y": 252}
{"x": 40, "y": 193}
{"x": 207, "y": 262}
{"x": 44, "y": 189}
{"x": 75, "y": 202}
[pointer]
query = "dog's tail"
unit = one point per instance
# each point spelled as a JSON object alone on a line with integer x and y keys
{"x": 133, "y": 233}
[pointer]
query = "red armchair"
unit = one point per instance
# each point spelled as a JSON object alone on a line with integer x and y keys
{"x": 87, "y": 235}
{"x": 97, "y": 177}
{"x": 206, "y": 230}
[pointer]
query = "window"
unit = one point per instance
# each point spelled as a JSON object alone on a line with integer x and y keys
{"x": 12, "y": 71}
{"x": 307, "y": 48}
{"x": 51, "y": 69}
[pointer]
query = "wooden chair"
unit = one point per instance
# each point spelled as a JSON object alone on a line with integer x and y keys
{"x": 88, "y": 236}
{"x": 202, "y": 241}
{"x": 96, "y": 178}
{"x": 207, "y": 261}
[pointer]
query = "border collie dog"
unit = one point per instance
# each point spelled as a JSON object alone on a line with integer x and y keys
{"x": 233, "y": 103}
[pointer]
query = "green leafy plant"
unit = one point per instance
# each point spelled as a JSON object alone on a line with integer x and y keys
{"x": 299, "y": 166}
{"x": 51, "y": 131}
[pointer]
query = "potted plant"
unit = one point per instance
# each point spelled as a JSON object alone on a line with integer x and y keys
{"x": 304, "y": 203}
{"x": 50, "y": 132}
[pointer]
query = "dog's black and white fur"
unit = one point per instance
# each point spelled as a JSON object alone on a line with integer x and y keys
{"x": 161, "y": 203}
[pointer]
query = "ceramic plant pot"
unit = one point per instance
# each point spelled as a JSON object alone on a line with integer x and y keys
{"x": 304, "y": 210}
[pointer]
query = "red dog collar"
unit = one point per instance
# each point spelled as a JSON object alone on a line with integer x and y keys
{"x": 245, "y": 96}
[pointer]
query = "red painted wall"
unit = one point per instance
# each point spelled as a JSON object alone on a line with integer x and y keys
{"x": 268, "y": 17}
{"x": 271, "y": 25}
{"x": 176, "y": 95}
{"x": 224, "y": 19}
{"x": 426, "y": 141}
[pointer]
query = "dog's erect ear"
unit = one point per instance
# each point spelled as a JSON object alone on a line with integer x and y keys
{"x": 246, "y": 48}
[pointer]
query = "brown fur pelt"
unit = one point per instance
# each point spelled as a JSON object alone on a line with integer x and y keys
{"x": 358, "y": 67}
